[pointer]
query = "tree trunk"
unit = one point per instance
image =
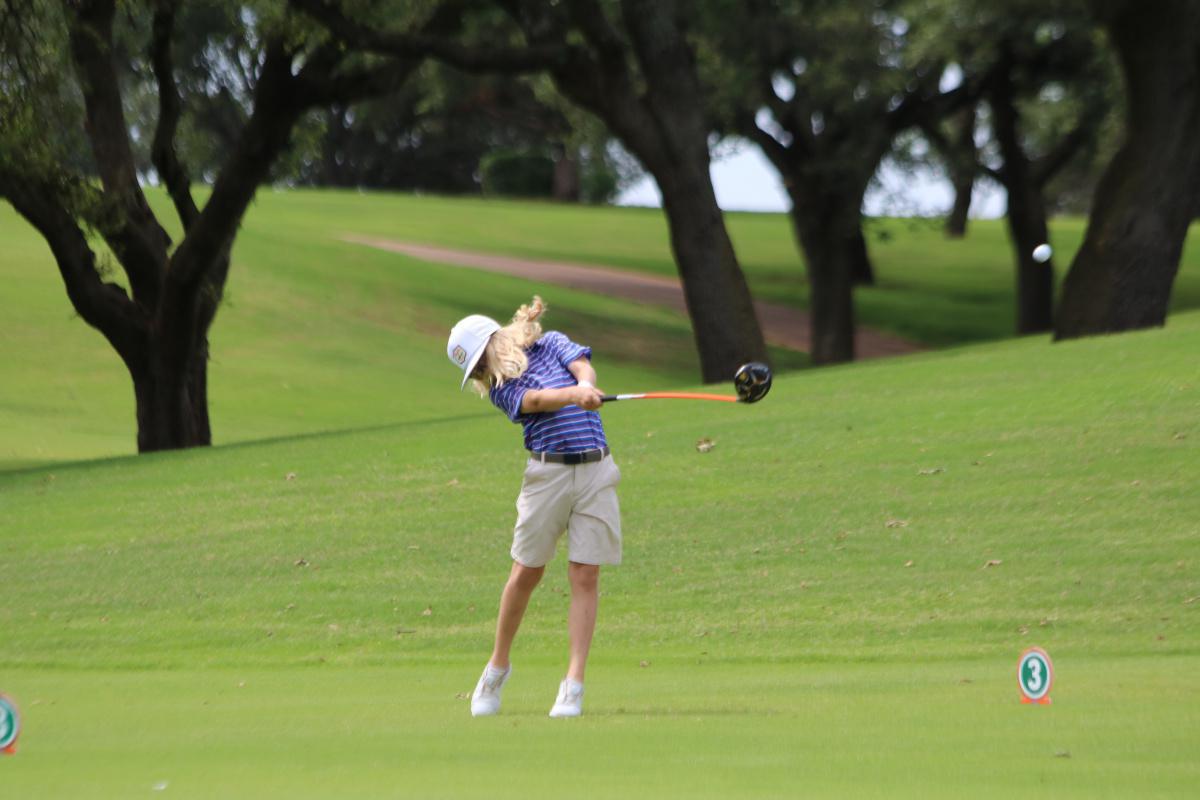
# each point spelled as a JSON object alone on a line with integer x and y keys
{"x": 831, "y": 293}
{"x": 336, "y": 134}
{"x": 962, "y": 166}
{"x": 724, "y": 322}
{"x": 660, "y": 118}
{"x": 828, "y": 229}
{"x": 1026, "y": 219}
{"x": 862, "y": 270}
{"x": 1026, "y": 211}
{"x": 172, "y": 401}
{"x": 198, "y": 395}
{"x": 964, "y": 189}
{"x": 1122, "y": 276}
{"x": 566, "y": 175}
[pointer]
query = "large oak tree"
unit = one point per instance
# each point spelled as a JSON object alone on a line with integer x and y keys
{"x": 159, "y": 326}
{"x": 1047, "y": 92}
{"x": 1122, "y": 276}
{"x": 824, "y": 87}
{"x": 632, "y": 64}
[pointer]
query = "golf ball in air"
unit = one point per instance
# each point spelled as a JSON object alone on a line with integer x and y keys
{"x": 1042, "y": 253}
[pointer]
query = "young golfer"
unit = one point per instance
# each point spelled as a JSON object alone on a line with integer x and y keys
{"x": 546, "y": 383}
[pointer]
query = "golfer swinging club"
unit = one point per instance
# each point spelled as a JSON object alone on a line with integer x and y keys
{"x": 547, "y": 384}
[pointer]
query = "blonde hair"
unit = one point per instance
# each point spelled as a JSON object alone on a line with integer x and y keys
{"x": 504, "y": 356}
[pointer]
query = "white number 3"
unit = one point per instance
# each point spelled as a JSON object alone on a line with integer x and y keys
{"x": 1035, "y": 677}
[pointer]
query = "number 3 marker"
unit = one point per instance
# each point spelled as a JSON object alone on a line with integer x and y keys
{"x": 1035, "y": 675}
{"x": 10, "y": 725}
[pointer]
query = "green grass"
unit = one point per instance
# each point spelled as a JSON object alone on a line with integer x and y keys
{"x": 158, "y": 625}
{"x": 317, "y": 334}
{"x": 855, "y": 730}
{"x": 932, "y": 290}
{"x": 804, "y": 611}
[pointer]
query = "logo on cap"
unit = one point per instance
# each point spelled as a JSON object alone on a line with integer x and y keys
{"x": 460, "y": 355}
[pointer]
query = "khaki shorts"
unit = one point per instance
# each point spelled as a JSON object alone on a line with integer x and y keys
{"x": 578, "y": 498}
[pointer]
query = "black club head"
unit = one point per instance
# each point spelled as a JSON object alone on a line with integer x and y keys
{"x": 752, "y": 382}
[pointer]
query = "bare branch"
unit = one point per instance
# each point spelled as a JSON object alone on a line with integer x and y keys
{"x": 323, "y": 86}
{"x": 1047, "y": 166}
{"x": 919, "y": 106}
{"x": 265, "y": 135}
{"x": 280, "y": 98}
{"x": 104, "y": 306}
{"x": 135, "y": 236}
{"x": 938, "y": 139}
{"x": 995, "y": 174}
{"x": 163, "y": 152}
{"x": 774, "y": 150}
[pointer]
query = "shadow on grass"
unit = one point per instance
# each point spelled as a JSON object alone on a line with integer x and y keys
{"x": 25, "y": 465}
{"x": 26, "y": 468}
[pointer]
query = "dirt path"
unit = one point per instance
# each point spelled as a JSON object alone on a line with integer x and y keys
{"x": 782, "y": 325}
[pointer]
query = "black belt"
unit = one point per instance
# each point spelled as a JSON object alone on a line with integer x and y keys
{"x": 586, "y": 457}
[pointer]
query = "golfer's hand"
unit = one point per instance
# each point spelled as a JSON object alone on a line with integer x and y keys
{"x": 588, "y": 397}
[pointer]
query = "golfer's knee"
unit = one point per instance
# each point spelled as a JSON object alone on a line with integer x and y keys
{"x": 583, "y": 577}
{"x": 525, "y": 578}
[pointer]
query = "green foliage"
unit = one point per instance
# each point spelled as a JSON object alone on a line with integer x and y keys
{"x": 517, "y": 174}
{"x": 1065, "y": 76}
{"x": 40, "y": 109}
{"x": 599, "y": 183}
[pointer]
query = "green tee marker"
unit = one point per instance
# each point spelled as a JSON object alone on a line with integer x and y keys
{"x": 10, "y": 725}
{"x": 1035, "y": 674}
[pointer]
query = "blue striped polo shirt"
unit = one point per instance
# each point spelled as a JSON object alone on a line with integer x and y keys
{"x": 568, "y": 430}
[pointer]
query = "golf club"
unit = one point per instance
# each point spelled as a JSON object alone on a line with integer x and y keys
{"x": 752, "y": 382}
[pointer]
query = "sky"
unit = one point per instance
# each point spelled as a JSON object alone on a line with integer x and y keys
{"x": 745, "y": 181}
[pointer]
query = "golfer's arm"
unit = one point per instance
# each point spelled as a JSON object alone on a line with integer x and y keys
{"x": 582, "y": 369}
{"x": 537, "y": 401}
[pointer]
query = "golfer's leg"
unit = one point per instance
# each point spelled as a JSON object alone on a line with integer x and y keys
{"x": 581, "y": 620}
{"x": 513, "y": 602}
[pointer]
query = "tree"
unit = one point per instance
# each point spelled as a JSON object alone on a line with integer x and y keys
{"x": 432, "y": 135}
{"x": 1024, "y": 175}
{"x": 824, "y": 87}
{"x": 960, "y": 154}
{"x": 643, "y": 83}
{"x": 1047, "y": 93}
{"x": 159, "y": 327}
{"x": 631, "y": 64}
{"x": 1122, "y": 275}
{"x": 443, "y": 131}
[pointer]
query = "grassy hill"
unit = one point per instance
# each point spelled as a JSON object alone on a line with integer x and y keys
{"x": 320, "y": 335}
{"x": 806, "y": 610}
{"x": 930, "y": 289}
{"x": 315, "y": 335}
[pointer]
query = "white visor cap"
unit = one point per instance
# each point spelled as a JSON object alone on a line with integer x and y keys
{"x": 468, "y": 339}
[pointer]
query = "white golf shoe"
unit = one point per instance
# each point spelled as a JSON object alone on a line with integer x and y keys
{"x": 485, "y": 701}
{"x": 570, "y": 700}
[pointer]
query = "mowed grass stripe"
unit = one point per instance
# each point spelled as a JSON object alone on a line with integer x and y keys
{"x": 789, "y": 540}
{"x": 879, "y": 730}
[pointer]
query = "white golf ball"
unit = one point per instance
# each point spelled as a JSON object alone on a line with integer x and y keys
{"x": 1042, "y": 253}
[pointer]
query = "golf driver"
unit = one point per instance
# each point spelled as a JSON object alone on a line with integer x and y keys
{"x": 752, "y": 382}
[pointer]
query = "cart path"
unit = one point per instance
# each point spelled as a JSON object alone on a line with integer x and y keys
{"x": 782, "y": 325}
